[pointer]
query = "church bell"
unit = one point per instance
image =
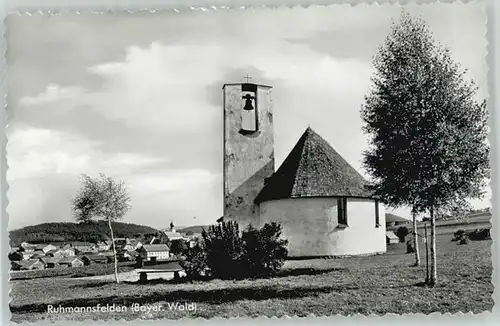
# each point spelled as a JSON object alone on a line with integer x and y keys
{"x": 248, "y": 102}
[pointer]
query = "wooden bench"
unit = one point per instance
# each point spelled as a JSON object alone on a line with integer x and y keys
{"x": 168, "y": 267}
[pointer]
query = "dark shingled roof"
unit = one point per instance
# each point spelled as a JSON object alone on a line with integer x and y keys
{"x": 313, "y": 169}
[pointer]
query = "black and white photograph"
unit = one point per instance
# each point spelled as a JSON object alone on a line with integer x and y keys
{"x": 249, "y": 161}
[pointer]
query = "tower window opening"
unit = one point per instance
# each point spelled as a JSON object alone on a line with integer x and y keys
{"x": 249, "y": 118}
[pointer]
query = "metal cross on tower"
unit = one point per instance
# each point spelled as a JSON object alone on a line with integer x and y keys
{"x": 247, "y": 78}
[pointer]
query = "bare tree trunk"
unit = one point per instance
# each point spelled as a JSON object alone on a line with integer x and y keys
{"x": 426, "y": 256}
{"x": 433, "y": 278}
{"x": 114, "y": 251}
{"x": 415, "y": 239}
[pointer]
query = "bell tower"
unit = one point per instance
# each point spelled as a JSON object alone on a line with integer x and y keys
{"x": 248, "y": 149}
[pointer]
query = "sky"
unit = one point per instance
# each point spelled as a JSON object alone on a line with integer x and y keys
{"x": 139, "y": 96}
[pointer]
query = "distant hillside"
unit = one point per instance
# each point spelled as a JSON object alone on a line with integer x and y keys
{"x": 194, "y": 229}
{"x": 391, "y": 218}
{"x": 68, "y": 231}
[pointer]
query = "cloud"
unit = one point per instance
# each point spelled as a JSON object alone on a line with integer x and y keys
{"x": 35, "y": 152}
{"x": 131, "y": 160}
{"x": 52, "y": 93}
{"x": 175, "y": 181}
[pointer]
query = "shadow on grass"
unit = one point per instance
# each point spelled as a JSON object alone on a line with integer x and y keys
{"x": 91, "y": 285}
{"x": 282, "y": 274}
{"x": 308, "y": 271}
{"x": 212, "y": 296}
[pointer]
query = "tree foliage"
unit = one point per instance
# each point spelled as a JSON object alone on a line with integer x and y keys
{"x": 264, "y": 250}
{"x": 178, "y": 247}
{"x": 224, "y": 249}
{"x": 102, "y": 198}
{"x": 194, "y": 262}
{"x": 428, "y": 130}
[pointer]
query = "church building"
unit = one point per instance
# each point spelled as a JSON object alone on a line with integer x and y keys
{"x": 318, "y": 198}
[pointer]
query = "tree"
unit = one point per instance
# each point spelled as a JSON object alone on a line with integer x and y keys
{"x": 415, "y": 238}
{"x": 264, "y": 250}
{"x": 428, "y": 132}
{"x": 402, "y": 232}
{"x": 178, "y": 247}
{"x": 102, "y": 198}
{"x": 224, "y": 250}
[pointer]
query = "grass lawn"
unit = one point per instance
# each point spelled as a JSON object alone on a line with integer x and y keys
{"x": 367, "y": 285}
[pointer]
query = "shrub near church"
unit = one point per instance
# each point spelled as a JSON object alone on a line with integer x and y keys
{"x": 227, "y": 254}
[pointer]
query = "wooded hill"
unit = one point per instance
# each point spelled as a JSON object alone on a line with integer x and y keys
{"x": 86, "y": 231}
{"x": 194, "y": 228}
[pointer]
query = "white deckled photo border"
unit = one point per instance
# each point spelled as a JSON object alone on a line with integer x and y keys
{"x": 47, "y": 7}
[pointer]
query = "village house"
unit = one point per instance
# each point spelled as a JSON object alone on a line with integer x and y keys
{"x": 37, "y": 254}
{"x": 131, "y": 244}
{"x": 27, "y": 247}
{"x": 48, "y": 248}
{"x": 391, "y": 237}
{"x": 89, "y": 259}
{"x": 127, "y": 255}
{"x": 68, "y": 252}
{"x": 104, "y": 245}
{"x": 83, "y": 246}
{"x": 26, "y": 254}
{"x": 320, "y": 200}
{"x": 393, "y": 220}
{"x": 30, "y": 264}
{"x": 155, "y": 252}
{"x": 70, "y": 262}
{"x": 54, "y": 253}
{"x": 49, "y": 262}
{"x": 109, "y": 255}
{"x": 172, "y": 234}
{"x": 45, "y": 247}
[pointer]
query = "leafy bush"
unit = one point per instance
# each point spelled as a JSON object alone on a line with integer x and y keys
{"x": 178, "y": 247}
{"x": 253, "y": 253}
{"x": 458, "y": 235}
{"x": 463, "y": 240}
{"x": 265, "y": 252}
{"x": 480, "y": 234}
{"x": 224, "y": 250}
{"x": 194, "y": 262}
{"x": 401, "y": 233}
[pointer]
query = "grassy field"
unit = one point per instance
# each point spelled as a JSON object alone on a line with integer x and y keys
{"x": 479, "y": 221}
{"x": 366, "y": 285}
{"x": 90, "y": 270}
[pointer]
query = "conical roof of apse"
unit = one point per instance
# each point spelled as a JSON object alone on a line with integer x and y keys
{"x": 314, "y": 169}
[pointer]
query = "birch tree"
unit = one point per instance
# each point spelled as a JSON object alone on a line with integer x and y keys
{"x": 102, "y": 198}
{"x": 428, "y": 130}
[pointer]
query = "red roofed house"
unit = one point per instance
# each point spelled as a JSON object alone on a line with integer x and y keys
{"x": 320, "y": 200}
